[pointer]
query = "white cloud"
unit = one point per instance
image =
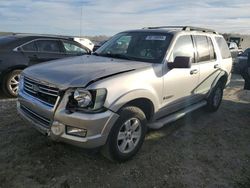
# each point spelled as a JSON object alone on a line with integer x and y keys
{"x": 111, "y": 16}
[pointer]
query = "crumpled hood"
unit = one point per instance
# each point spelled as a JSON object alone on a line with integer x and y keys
{"x": 81, "y": 70}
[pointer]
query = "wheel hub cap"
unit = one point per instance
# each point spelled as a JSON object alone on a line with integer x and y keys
{"x": 129, "y": 135}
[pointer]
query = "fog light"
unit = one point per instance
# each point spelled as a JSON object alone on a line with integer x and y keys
{"x": 74, "y": 131}
{"x": 57, "y": 128}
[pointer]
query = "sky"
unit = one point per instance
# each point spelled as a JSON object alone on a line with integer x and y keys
{"x": 108, "y": 17}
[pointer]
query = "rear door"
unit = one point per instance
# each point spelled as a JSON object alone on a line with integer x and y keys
{"x": 209, "y": 63}
{"x": 48, "y": 49}
{"x": 180, "y": 83}
{"x": 42, "y": 50}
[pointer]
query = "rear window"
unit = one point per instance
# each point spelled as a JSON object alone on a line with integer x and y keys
{"x": 224, "y": 50}
{"x": 48, "y": 46}
{"x": 30, "y": 47}
{"x": 211, "y": 49}
{"x": 202, "y": 48}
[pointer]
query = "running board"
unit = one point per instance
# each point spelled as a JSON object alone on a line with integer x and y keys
{"x": 173, "y": 117}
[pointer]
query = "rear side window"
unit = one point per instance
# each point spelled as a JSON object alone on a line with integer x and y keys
{"x": 211, "y": 49}
{"x": 183, "y": 47}
{"x": 30, "y": 47}
{"x": 202, "y": 48}
{"x": 224, "y": 50}
{"x": 48, "y": 46}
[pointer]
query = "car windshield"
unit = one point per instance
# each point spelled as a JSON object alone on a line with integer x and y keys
{"x": 137, "y": 46}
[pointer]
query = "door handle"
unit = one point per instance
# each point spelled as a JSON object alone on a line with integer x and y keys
{"x": 194, "y": 71}
{"x": 216, "y": 66}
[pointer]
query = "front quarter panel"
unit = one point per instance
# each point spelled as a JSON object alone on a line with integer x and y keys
{"x": 123, "y": 88}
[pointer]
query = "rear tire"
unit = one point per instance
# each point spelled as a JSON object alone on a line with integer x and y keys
{"x": 126, "y": 136}
{"x": 10, "y": 83}
{"x": 215, "y": 98}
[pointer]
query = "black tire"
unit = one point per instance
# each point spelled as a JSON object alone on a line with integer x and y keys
{"x": 215, "y": 97}
{"x": 6, "y": 84}
{"x": 111, "y": 149}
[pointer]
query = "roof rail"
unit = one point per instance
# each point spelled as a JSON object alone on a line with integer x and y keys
{"x": 205, "y": 30}
{"x": 164, "y": 27}
{"x": 184, "y": 28}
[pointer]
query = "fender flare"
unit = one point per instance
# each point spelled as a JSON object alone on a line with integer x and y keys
{"x": 219, "y": 77}
{"x": 117, "y": 104}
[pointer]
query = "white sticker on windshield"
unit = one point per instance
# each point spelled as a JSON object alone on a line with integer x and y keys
{"x": 158, "y": 37}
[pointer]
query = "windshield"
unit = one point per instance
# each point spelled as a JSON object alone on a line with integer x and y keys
{"x": 137, "y": 46}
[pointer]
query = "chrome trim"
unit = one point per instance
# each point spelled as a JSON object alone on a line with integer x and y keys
{"x": 34, "y": 88}
{"x": 58, "y": 40}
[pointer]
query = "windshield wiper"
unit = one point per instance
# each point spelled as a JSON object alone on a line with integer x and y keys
{"x": 119, "y": 56}
{"x": 94, "y": 53}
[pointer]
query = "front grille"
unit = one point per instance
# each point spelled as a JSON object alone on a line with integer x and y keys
{"x": 45, "y": 122}
{"x": 44, "y": 93}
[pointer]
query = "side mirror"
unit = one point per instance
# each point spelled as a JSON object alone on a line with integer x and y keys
{"x": 180, "y": 62}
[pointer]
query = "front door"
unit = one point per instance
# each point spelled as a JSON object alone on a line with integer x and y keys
{"x": 180, "y": 83}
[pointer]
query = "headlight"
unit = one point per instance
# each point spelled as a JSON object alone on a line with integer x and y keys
{"x": 87, "y": 100}
{"x": 82, "y": 97}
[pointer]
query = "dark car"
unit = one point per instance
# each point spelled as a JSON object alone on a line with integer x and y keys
{"x": 241, "y": 60}
{"x": 19, "y": 51}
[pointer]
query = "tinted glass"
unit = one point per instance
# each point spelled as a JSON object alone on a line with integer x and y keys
{"x": 202, "y": 48}
{"x": 47, "y": 46}
{"x": 137, "y": 46}
{"x": 183, "y": 47}
{"x": 71, "y": 48}
{"x": 29, "y": 47}
{"x": 224, "y": 50}
{"x": 211, "y": 49}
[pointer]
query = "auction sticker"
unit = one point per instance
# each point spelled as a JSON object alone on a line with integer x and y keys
{"x": 157, "y": 37}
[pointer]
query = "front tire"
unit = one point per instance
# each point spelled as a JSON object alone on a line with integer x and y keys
{"x": 215, "y": 98}
{"x": 127, "y": 135}
{"x": 11, "y": 83}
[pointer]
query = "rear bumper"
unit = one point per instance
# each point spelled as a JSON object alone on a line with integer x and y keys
{"x": 97, "y": 125}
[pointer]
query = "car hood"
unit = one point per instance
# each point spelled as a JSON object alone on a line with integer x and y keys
{"x": 80, "y": 71}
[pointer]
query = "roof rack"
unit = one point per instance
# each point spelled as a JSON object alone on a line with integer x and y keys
{"x": 184, "y": 28}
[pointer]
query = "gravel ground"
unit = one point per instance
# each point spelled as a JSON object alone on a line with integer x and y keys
{"x": 201, "y": 150}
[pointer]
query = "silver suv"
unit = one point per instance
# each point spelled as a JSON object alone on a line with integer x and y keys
{"x": 139, "y": 79}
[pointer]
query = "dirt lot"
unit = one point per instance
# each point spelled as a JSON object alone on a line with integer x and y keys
{"x": 200, "y": 150}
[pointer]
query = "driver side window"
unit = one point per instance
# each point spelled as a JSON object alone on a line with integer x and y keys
{"x": 183, "y": 47}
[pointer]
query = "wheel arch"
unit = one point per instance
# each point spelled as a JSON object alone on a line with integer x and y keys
{"x": 222, "y": 77}
{"x": 142, "y": 99}
{"x": 144, "y": 104}
{"x": 10, "y": 69}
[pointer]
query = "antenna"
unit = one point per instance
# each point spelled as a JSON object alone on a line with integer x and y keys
{"x": 81, "y": 23}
